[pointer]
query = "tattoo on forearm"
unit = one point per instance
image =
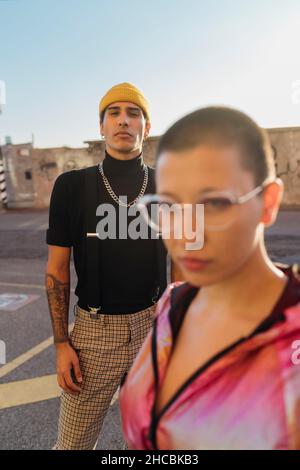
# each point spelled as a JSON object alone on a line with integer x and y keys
{"x": 58, "y": 294}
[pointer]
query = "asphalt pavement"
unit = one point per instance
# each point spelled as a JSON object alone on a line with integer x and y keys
{"x": 29, "y": 395}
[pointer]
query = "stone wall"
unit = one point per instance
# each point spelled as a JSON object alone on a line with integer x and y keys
{"x": 17, "y": 163}
{"x": 30, "y": 172}
{"x": 47, "y": 164}
{"x": 286, "y": 146}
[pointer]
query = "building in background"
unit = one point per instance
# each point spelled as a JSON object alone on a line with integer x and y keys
{"x": 3, "y": 192}
{"x": 30, "y": 172}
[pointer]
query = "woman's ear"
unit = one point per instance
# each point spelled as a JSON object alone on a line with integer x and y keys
{"x": 272, "y": 197}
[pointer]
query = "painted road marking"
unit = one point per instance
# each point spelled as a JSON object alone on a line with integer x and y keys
{"x": 12, "y": 365}
{"x": 13, "y": 284}
{"x": 28, "y": 391}
{"x": 33, "y": 286}
{"x": 25, "y": 392}
{"x": 12, "y": 301}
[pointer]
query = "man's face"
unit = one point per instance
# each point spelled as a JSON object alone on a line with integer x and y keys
{"x": 124, "y": 127}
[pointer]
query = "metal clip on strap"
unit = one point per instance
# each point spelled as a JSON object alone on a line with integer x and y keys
{"x": 94, "y": 312}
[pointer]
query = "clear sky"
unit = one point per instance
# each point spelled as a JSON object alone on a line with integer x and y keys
{"x": 58, "y": 57}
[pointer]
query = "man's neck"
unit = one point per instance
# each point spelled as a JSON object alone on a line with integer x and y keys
{"x": 130, "y": 155}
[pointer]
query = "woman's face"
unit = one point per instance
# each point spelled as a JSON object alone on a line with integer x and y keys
{"x": 184, "y": 177}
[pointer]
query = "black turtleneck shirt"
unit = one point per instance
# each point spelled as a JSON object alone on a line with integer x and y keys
{"x": 128, "y": 267}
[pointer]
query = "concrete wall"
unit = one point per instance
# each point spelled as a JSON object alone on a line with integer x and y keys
{"x": 17, "y": 162}
{"x": 286, "y": 146}
{"x": 30, "y": 172}
{"x": 45, "y": 165}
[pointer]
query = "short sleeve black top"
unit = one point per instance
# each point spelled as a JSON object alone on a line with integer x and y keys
{"x": 129, "y": 268}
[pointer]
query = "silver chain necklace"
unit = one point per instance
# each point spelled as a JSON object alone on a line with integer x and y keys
{"x": 112, "y": 193}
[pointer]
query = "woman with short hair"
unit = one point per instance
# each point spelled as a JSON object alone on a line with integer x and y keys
{"x": 220, "y": 368}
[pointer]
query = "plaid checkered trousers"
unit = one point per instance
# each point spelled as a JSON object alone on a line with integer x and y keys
{"x": 107, "y": 345}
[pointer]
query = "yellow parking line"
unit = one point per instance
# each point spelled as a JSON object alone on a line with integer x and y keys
{"x": 34, "y": 286}
{"x": 28, "y": 391}
{"x": 7, "y": 368}
{"x": 24, "y": 392}
{"x": 13, "y": 284}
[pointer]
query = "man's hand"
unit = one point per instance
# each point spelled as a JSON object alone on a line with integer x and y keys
{"x": 66, "y": 360}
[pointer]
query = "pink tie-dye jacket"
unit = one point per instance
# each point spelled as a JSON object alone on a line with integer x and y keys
{"x": 248, "y": 398}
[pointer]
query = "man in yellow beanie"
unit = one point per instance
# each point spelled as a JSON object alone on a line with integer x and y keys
{"x": 124, "y": 139}
{"x": 119, "y": 279}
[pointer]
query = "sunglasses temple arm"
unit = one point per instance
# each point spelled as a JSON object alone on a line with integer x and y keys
{"x": 246, "y": 197}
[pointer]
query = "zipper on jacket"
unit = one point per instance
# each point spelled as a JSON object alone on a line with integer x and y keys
{"x": 153, "y": 425}
{"x": 155, "y": 419}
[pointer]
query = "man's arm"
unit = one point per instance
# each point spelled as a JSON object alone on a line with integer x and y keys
{"x": 58, "y": 290}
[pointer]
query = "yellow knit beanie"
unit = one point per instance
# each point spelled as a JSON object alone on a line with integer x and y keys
{"x": 125, "y": 92}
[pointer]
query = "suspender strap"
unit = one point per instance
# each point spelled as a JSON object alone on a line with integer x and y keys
{"x": 92, "y": 243}
{"x": 92, "y": 191}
